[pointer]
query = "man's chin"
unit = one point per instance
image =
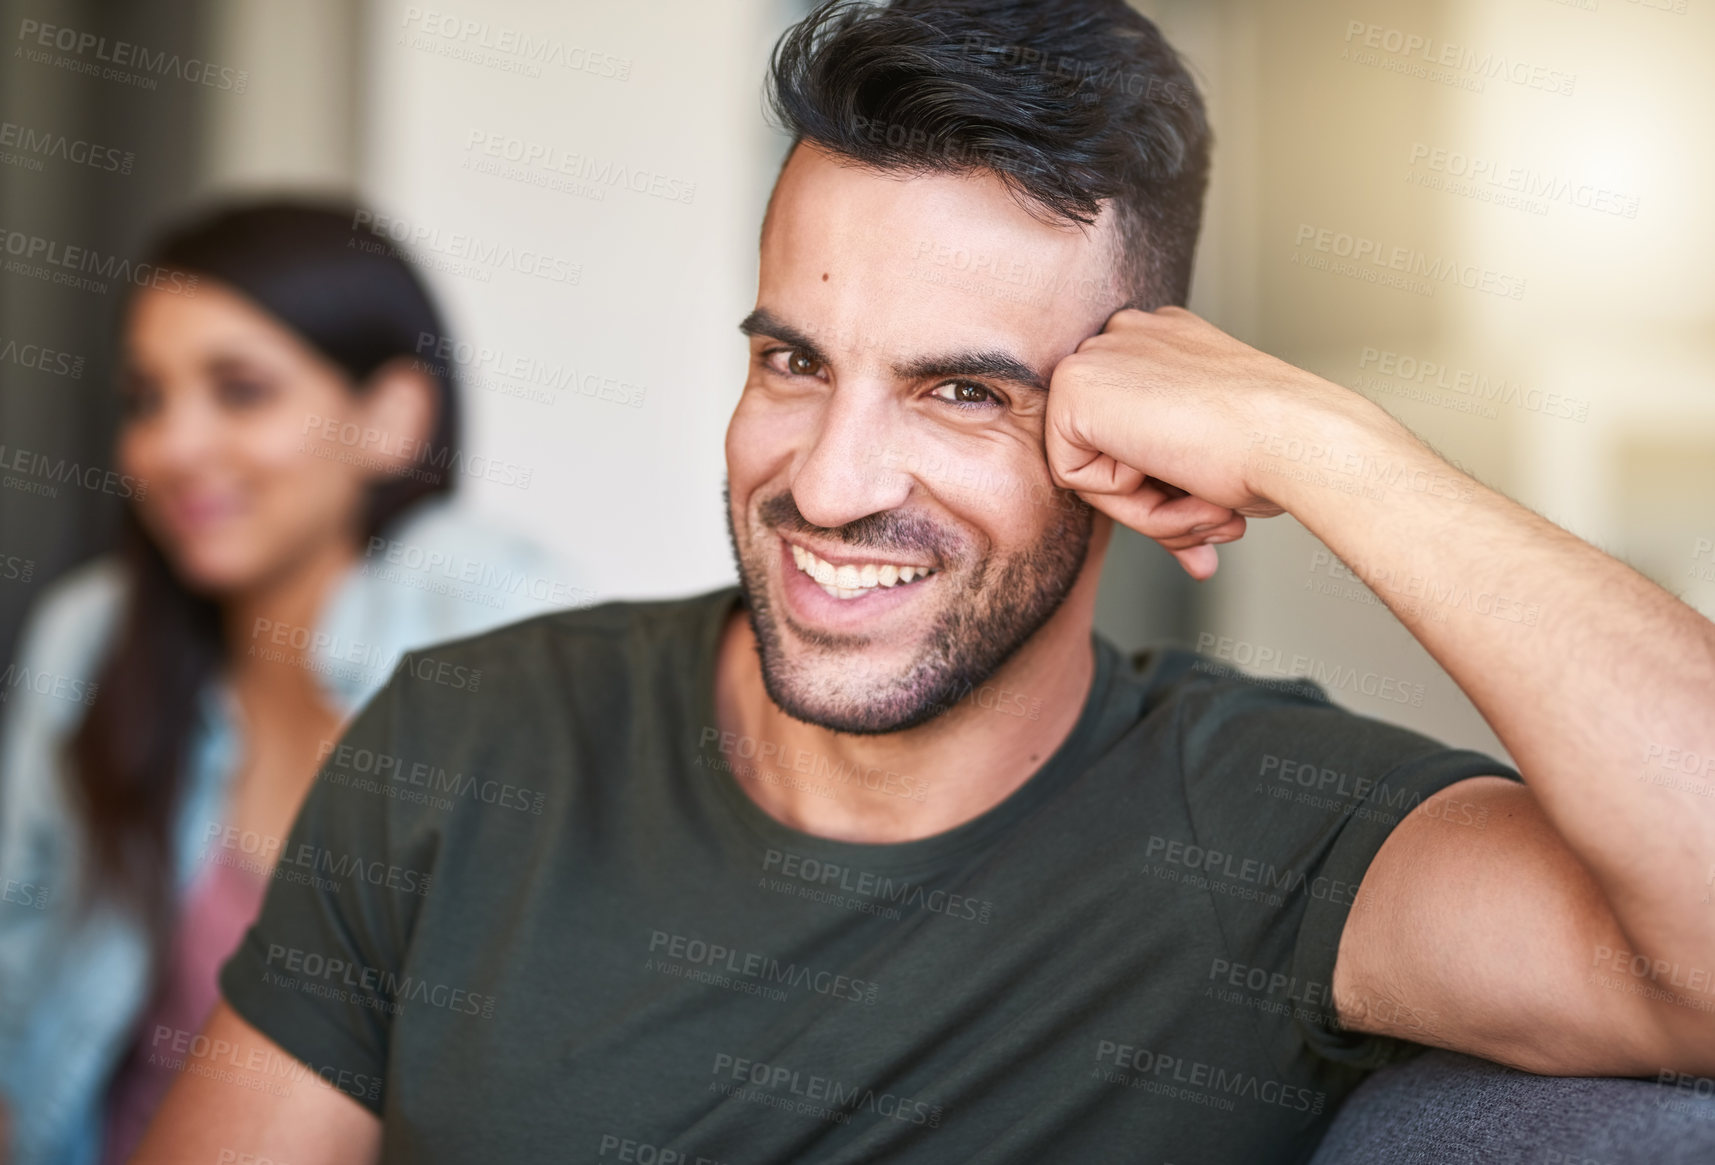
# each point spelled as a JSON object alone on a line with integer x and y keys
{"x": 856, "y": 716}
{"x": 845, "y": 689}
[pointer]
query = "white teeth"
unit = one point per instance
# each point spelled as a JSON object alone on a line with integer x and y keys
{"x": 852, "y": 580}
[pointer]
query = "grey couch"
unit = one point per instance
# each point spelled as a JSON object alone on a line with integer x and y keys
{"x": 1440, "y": 1108}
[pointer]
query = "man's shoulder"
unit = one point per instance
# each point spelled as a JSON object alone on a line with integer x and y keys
{"x": 547, "y": 701}
{"x": 619, "y": 633}
{"x": 1228, "y": 719}
{"x": 1253, "y": 751}
{"x": 1208, "y": 693}
{"x": 1180, "y": 671}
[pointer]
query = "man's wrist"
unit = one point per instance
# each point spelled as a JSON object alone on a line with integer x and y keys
{"x": 1321, "y": 442}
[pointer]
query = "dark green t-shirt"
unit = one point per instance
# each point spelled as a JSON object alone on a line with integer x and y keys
{"x": 528, "y": 913}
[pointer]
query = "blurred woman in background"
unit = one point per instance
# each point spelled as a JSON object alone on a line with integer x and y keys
{"x": 293, "y": 435}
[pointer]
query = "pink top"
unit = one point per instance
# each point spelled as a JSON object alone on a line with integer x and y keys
{"x": 221, "y": 904}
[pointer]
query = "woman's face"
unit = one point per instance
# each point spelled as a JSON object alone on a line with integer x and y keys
{"x": 224, "y": 411}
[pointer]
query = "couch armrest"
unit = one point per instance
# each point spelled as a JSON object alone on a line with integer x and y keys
{"x": 1441, "y": 1108}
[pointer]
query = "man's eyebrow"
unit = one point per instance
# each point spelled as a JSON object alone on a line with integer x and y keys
{"x": 991, "y": 364}
{"x": 763, "y": 322}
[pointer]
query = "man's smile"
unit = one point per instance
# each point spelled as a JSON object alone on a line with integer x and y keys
{"x": 849, "y": 603}
{"x": 846, "y": 576}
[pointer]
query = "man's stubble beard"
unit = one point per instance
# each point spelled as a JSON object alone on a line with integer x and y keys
{"x": 1001, "y": 604}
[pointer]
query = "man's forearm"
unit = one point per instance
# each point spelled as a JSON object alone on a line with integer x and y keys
{"x": 1590, "y": 674}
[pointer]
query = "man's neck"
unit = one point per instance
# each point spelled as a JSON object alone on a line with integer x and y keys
{"x": 925, "y": 780}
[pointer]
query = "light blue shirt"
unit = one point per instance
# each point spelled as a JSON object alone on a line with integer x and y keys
{"x": 71, "y": 989}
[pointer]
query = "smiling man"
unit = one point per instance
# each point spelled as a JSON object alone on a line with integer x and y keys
{"x": 882, "y": 855}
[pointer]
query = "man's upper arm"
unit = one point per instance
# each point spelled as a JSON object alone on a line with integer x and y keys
{"x": 237, "y": 1114}
{"x": 1499, "y": 943}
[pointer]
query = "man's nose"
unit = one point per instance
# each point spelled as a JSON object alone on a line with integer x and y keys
{"x": 853, "y": 467}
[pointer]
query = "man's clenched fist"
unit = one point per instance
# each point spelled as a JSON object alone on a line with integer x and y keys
{"x": 1151, "y": 421}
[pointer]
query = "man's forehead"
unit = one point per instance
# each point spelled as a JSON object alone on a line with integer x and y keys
{"x": 823, "y": 200}
{"x": 897, "y": 264}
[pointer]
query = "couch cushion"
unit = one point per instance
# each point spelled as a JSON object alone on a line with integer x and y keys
{"x": 1440, "y": 1108}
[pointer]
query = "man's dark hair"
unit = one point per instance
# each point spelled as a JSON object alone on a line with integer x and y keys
{"x": 1067, "y": 101}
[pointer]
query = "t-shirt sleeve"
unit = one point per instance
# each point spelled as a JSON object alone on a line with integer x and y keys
{"x": 1296, "y": 795}
{"x": 313, "y": 972}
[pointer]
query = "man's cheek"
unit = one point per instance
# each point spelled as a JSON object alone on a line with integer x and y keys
{"x": 761, "y": 439}
{"x": 1010, "y": 498}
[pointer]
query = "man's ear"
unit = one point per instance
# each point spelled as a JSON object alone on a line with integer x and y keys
{"x": 399, "y": 401}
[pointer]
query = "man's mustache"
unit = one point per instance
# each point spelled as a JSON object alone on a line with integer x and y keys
{"x": 910, "y": 534}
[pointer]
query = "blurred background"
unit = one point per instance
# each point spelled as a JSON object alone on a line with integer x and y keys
{"x": 1553, "y": 153}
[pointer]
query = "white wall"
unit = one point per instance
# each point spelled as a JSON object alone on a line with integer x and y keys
{"x": 630, "y": 494}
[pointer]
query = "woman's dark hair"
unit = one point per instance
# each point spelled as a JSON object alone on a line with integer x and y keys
{"x": 1067, "y": 101}
{"x": 351, "y": 295}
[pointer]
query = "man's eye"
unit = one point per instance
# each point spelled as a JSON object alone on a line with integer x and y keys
{"x": 798, "y": 364}
{"x": 965, "y": 394}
